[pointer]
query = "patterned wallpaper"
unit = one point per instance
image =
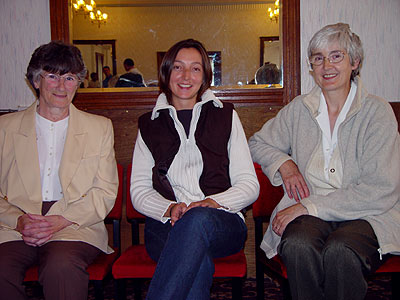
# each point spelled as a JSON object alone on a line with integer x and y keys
{"x": 377, "y": 23}
{"x": 24, "y": 25}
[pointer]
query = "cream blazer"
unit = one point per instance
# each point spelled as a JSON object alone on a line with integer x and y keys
{"x": 88, "y": 176}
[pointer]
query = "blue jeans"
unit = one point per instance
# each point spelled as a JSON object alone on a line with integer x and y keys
{"x": 185, "y": 251}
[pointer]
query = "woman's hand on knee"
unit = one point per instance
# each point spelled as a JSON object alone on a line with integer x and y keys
{"x": 287, "y": 215}
{"x": 295, "y": 185}
{"x": 176, "y": 211}
{"x": 208, "y": 202}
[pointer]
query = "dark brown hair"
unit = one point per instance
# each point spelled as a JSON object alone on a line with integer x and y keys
{"x": 167, "y": 65}
{"x": 55, "y": 57}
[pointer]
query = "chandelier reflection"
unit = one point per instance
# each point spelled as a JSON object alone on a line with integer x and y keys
{"x": 274, "y": 13}
{"x": 88, "y": 8}
{"x": 98, "y": 17}
{"x": 81, "y": 7}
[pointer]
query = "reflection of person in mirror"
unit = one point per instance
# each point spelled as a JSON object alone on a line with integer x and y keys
{"x": 58, "y": 181}
{"x": 133, "y": 77}
{"x": 107, "y": 76}
{"x": 336, "y": 151}
{"x": 94, "y": 80}
{"x": 268, "y": 74}
{"x": 85, "y": 81}
{"x": 192, "y": 174}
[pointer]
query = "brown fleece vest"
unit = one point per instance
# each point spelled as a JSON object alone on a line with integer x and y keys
{"x": 212, "y": 136}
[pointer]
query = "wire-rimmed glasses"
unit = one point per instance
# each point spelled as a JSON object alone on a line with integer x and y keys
{"x": 333, "y": 57}
{"x": 70, "y": 80}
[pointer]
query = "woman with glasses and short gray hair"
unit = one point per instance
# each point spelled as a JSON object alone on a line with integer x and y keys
{"x": 336, "y": 152}
{"x": 58, "y": 181}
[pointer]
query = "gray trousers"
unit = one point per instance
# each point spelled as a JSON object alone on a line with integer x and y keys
{"x": 328, "y": 260}
{"x": 62, "y": 269}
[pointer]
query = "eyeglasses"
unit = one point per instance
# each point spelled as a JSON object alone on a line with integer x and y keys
{"x": 334, "y": 58}
{"x": 54, "y": 79}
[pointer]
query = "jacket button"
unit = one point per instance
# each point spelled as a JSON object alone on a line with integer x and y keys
{"x": 332, "y": 170}
{"x": 6, "y": 198}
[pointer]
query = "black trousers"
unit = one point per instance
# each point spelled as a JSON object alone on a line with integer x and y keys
{"x": 62, "y": 269}
{"x": 328, "y": 260}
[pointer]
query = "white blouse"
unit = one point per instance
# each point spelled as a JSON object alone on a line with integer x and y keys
{"x": 50, "y": 137}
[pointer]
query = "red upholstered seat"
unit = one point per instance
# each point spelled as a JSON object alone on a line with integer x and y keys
{"x": 282, "y": 268}
{"x": 231, "y": 266}
{"x": 262, "y": 210}
{"x": 135, "y": 263}
{"x": 136, "y": 255}
{"x": 390, "y": 266}
{"x": 31, "y": 274}
{"x": 102, "y": 265}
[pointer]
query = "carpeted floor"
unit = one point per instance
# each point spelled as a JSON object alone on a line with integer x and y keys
{"x": 378, "y": 289}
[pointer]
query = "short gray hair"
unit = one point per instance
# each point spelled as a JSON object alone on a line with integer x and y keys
{"x": 342, "y": 34}
{"x": 55, "y": 57}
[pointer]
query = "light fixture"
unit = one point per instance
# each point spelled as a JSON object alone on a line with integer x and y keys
{"x": 81, "y": 7}
{"x": 274, "y": 14}
{"x": 95, "y": 15}
{"x": 99, "y": 17}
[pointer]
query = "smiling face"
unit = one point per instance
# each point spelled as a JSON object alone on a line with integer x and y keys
{"x": 55, "y": 97}
{"x": 186, "y": 78}
{"x": 333, "y": 77}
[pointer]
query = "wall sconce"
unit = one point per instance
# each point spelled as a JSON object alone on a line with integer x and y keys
{"x": 274, "y": 14}
{"x": 99, "y": 17}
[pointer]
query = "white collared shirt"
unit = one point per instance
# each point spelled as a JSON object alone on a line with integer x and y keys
{"x": 329, "y": 141}
{"x": 50, "y": 142}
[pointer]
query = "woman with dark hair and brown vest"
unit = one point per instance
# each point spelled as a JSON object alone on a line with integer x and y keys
{"x": 192, "y": 174}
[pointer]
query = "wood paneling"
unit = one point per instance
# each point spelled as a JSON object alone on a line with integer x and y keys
{"x": 125, "y": 122}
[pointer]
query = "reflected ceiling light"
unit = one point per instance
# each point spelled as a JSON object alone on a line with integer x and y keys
{"x": 81, "y": 7}
{"x": 274, "y": 14}
{"x": 99, "y": 17}
{"x": 86, "y": 8}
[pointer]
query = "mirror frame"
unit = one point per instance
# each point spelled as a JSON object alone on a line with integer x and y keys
{"x": 145, "y": 98}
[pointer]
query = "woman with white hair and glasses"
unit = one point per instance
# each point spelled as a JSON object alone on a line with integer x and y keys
{"x": 336, "y": 151}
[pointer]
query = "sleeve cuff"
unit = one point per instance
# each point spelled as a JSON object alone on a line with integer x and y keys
{"x": 312, "y": 209}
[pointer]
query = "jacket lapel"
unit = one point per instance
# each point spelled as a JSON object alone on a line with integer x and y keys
{"x": 73, "y": 149}
{"x": 26, "y": 154}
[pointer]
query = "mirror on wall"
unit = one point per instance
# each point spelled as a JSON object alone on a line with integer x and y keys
{"x": 289, "y": 35}
{"x": 141, "y": 29}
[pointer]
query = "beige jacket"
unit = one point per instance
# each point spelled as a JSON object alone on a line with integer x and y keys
{"x": 88, "y": 176}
